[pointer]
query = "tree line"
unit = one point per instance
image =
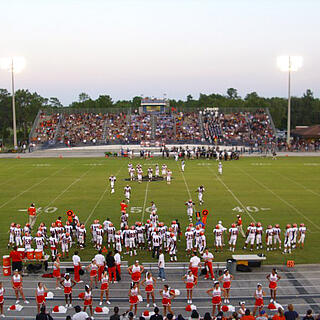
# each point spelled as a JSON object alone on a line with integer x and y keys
{"x": 305, "y": 110}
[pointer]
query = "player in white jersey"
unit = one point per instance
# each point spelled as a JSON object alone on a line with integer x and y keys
{"x": 123, "y": 220}
{"x": 157, "y": 171}
{"x": 127, "y": 192}
{"x": 130, "y": 166}
{"x": 220, "y": 168}
{"x": 132, "y": 241}
{"x": 140, "y": 235}
{"x": 294, "y": 235}
{"x": 164, "y": 170}
{"x": 139, "y": 174}
{"x": 276, "y": 236}
{"x": 218, "y": 238}
{"x": 106, "y": 224}
{"x": 18, "y": 235}
{"x": 82, "y": 236}
{"x": 182, "y": 165}
{"x": 39, "y": 241}
{"x": 169, "y": 174}
{"x": 99, "y": 233}
{"x": 197, "y": 232}
{"x": 190, "y": 207}
{"x": 302, "y": 235}
{"x": 125, "y": 238}
{"x": 287, "y": 239}
{"x": 93, "y": 229}
{"x": 202, "y": 242}
{"x": 118, "y": 240}
{"x": 233, "y": 237}
{"x": 53, "y": 246}
{"x": 11, "y": 235}
{"x": 66, "y": 242}
{"x": 111, "y": 231}
{"x": 173, "y": 247}
{"x": 112, "y": 180}
{"x": 251, "y": 235}
{"x": 223, "y": 230}
{"x": 153, "y": 207}
{"x": 27, "y": 241}
{"x": 175, "y": 228}
{"x": 150, "y": 173}
{"x": 154, "y": 218}
{"x": 132, "y": 174}
{"x": 200, "y": 191}
{"x": 259, "y": 231}
{"x": 27, "y": 228}
{"x": 269, "y": 236}
{"x": 189, "y": 240}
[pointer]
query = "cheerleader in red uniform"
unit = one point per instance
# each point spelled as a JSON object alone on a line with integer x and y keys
{"x": 133, "y": 296}
{"x": 40, "y": 295}
{"x": 17, "y": 286}
{"x": 167, "y": 295}
{"x": 226, "y": 279}
{"x": 135, "y": 271}
{"x": 273, "y": 278}
{"x": 149, "y": 282}
{"x": 104, "y": 287}
{"x": 87, "y": 299}
{"x": 189, "y": 280}
{"x": 2, "y": 291}
{"x": 258, "y": 295}
{"x": 93, "y": 269}
{"x": 56, "y": 271}
{"x": 67, "y": 284}
{"x": 215, "y": 293}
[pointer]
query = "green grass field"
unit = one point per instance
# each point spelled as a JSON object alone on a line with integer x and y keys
{"x": 283, "y": 191}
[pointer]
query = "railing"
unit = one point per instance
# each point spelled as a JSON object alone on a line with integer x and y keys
{"x": 35, "y": 125}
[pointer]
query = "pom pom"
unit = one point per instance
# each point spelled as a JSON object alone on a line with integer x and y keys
{"x": 81, "y": 295}
{"x": 225, "y": 308}
{"x": 271, "y": 306}
{"x": 55, "y": 309}
{"x": 98, "y": 309}
{"x": 146, "y": 313}
{"x": 188, "y": 308}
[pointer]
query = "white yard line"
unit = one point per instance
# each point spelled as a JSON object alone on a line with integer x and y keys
{"x": 100, "y": 199}
{"x": 14, "y": 178}
{"x": 234, "y": 196}
{"x": 185, "y": 181}
{"x": 65, "y": 190}
{"x": 32, "y": 186}
{"x": 281, "y": 199}
{"x": 145, "y": 201}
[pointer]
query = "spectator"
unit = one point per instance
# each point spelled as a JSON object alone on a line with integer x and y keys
{"x": 220, "y": 316}
{"x": 262, "y": 315}
{"x": 161, "y": 266}
{"x": 248, "y": 316}
{"x": 43, "y": 315}
{"x": 117, "y": 258}
{"x": 111, "y": 264}
{"x": 309, "y": 315}
{"x": 291, "y": 314}
{"x": 279, "y": 315}
{"x": 115, "y": 315}
{"x": 242, "y": 309}
{"x": 156, "y": 315}
{"x": 207, "y": 316}
{"x": 101, "y": 263}
{"x": 79, "y": 315}
{"x": 77, "y": 266}
{"x": 169, "y": 316}
{"x": 235, "y": 316}
{"x": 195, "y": 314}
{"x": 16, "y": 259}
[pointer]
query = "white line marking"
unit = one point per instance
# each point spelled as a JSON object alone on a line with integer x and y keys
{"x": 234, "y": 196}
{"x": 18, "y": 177}
{"x": 32, "y": 186}
{"x": 281, "y": 199}
{"x": 185, "y": 181}
{"x": 100, "y": 199}
{"x": 145, "y": 201}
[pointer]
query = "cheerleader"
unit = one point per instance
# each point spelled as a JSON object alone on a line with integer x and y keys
{"x": 2, "y": 291}
{"x": 87, "y": 299}
{"x": 149, "y": 282}
{"x": 167, "y": 295}
{"x": 258, "y": 295}
{"x": 226, "y": 278}
{"x": 135, "y": 271}
{"x": 133, "y": 296}
{"x": 215, "y": 293}
{"x": 40, "y": 295}
{"x": 104, "y": 287}
{"x": 56, "y": 271}
{"x": 93, "y": 269}
{"x": 17, "y": 286}
{"x": 273, "y": 284}
{"x": 189, "y": 281}
{"x": 67, "y": 283}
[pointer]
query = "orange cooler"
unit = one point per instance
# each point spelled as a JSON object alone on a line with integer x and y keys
{"x": 6, "y": 261}
{"x": 7, "y": 271}
{"x": 38, "y": 254}
{"x": 22, "y": 252}
{"x": 30, "y": 254}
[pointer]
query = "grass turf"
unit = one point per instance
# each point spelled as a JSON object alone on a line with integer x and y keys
{"x": 281, "y": 191}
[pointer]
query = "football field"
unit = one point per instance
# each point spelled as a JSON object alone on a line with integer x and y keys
{"x": 286, "y": 190}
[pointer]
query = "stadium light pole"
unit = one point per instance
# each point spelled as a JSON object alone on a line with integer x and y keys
{"x": 289, "y": 64}
{"x": 13, "y": 65}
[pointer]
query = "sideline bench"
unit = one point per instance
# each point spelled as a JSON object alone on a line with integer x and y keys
{"x": 251, "y": 260}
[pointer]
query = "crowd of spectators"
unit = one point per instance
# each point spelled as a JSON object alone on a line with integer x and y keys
{"x": 46, "y": 128}
{"x": 188, "y": 128}
{"x": 116, "y": 127}
{"x": 165, "y": 128}
{"x": 140, "y": 128}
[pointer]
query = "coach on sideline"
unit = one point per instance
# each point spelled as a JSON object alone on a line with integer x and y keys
{"x": 16, "y": 259}
{"x": 32, "y": 215}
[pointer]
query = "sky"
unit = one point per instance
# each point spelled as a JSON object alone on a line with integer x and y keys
{"x": 126, "y": 48}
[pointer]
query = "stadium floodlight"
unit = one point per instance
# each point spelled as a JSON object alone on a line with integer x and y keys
{"x": 13, "y": 65}
{"x": 289, "y": 64}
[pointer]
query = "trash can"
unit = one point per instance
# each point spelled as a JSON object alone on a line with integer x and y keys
{"x": 231, "y": 265}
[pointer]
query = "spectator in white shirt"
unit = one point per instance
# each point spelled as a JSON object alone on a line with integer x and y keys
{"x": 117, "y": 258}
{"x": 161, "y": 266}
{"x": 80, "y": 315}
{"x": 195, "y": 265}
{"x": 77, "y": 266}
{"x": 101, "y": 263}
